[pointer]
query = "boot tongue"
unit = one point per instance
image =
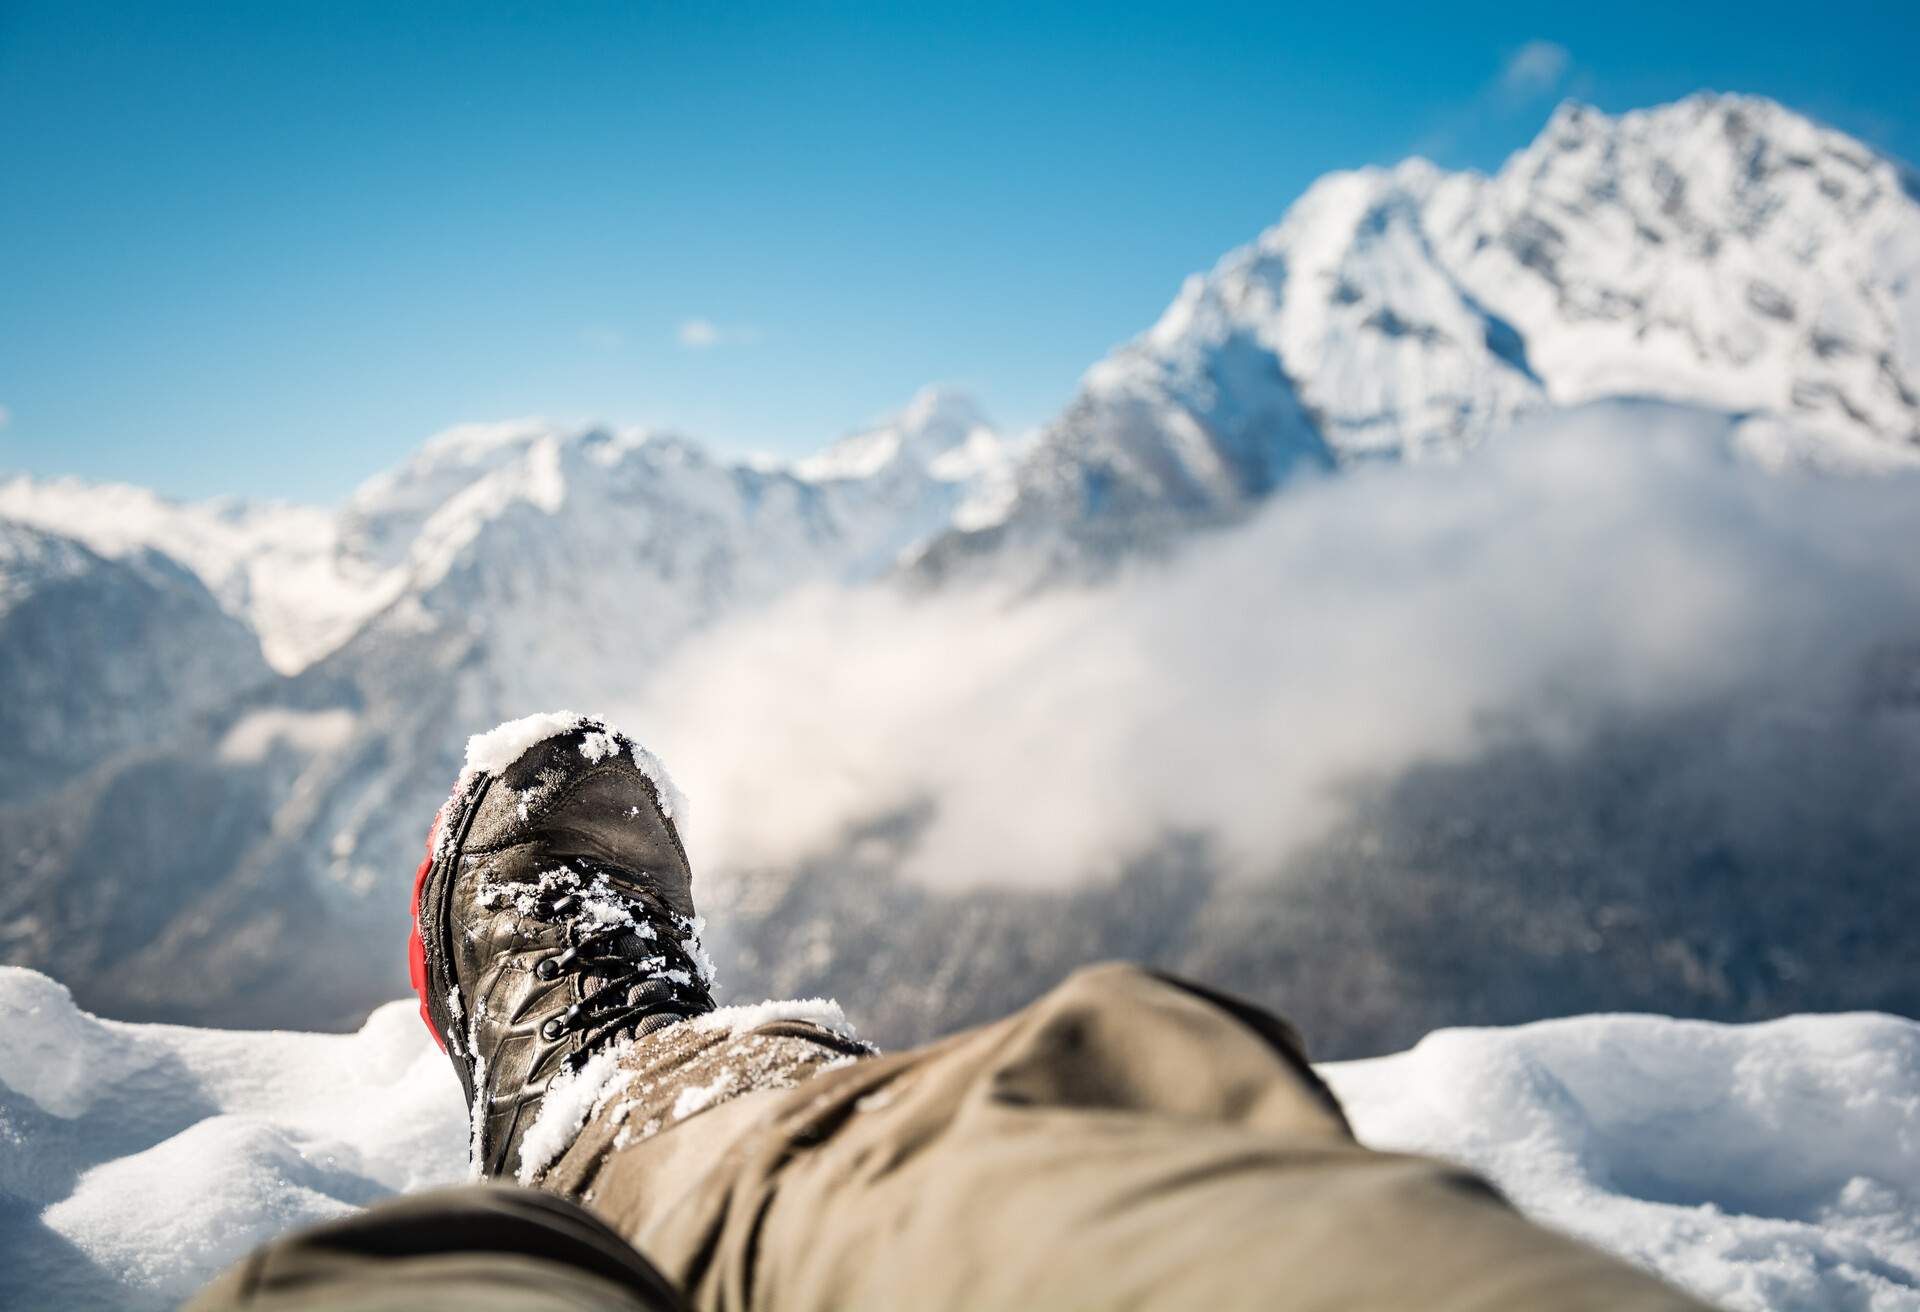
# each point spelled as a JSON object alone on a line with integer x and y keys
{"x": 671, "y": 981}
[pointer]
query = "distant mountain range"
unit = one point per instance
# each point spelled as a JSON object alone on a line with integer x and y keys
{"x": 234, "y": 720}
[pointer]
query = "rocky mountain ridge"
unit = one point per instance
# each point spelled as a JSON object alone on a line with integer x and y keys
{"x": 1721, "y": 252}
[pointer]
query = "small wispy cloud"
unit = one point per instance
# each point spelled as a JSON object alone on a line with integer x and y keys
{"x": 1529, "y": 74}
{"x": 1535, "y": 69}
{"x": 699, "y": 334}
{"x": 705, "y": 334}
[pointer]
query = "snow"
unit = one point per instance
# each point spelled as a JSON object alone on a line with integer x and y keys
{"x": 697, "y": 1098}
{"x": 694, "y": 945}
{"x": 31, "y": 557}
{"x": 1720, "y": 252}
{"x": 824, "y": 1012}
{"x": 673, "y": 802}
{"x": 535, "y": 478}
{"x": 276, "y": 567}
{"x": 1771, "y": 1166}
{"x": 477, "y": 1109}
{"x": 570, "y": 1099}
{"x": 307, "y": 580}
{"x": 1779, "y": 281}
{"x": 138, "y": 1160}
{"x": 935, "y": 423}
{"x": 499, "y": 747}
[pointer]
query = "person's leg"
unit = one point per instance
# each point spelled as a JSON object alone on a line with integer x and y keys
{"x": 1127, "y": 1141}
{"x": 478, "y": 1248}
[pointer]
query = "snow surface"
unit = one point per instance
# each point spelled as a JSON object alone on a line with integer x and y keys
{"x": 138, "y": 1160}
{"x": 1774, "y": 1165}
{"x": 1770, "y": 1166}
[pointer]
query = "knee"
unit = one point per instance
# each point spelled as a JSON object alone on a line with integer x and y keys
{"x": 1127, "y": 986}
{"x": 1121, "y": 1037}
{"x": 1104, "y": 978}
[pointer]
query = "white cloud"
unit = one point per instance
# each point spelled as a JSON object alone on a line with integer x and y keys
{"x": 1535, "y": 69}
{"x": 1618, "y": 563}
{"x": 705, "y": 334}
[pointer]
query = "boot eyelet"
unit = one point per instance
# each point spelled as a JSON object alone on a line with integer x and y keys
{"x": 547, "y": 968}
{"x": 552, "y": 1029}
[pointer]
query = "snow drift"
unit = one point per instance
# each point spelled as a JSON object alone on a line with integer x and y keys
{"x": 136, "y": 1160}
{"x": 1772, "y": 1166}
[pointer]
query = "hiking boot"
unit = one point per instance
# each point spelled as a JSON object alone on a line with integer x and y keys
{"x": 553, "y": 916}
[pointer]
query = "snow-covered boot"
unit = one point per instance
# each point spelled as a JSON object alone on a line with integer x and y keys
{"x": 552, "y": 915}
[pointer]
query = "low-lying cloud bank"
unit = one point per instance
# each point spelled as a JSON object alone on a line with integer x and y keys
{"x": 1612, "y": 561}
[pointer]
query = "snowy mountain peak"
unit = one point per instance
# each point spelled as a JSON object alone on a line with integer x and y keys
{"x": 944, "y": 411}
{"x": 1721, "y": 252}
{"x": 936, "y": 421}
{"x": 278, "y": 568}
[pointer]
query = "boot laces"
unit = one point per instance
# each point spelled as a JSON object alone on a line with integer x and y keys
{"x": 644, "y": 960}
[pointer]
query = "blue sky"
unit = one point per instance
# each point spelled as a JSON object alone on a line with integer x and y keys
{"x": 267, "y": 248}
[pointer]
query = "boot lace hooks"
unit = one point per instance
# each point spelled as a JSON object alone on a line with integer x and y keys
{"x": 645, "y": 980}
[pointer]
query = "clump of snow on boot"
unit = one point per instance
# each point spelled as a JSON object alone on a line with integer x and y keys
{"x": 499, "y": 747}
{"x": 571, "y": 1097}
{"x": 824, "y": 1012}
{"x": 698, "y": 1098}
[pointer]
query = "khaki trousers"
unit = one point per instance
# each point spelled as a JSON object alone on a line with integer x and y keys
{"x": 1128, "y": 1141}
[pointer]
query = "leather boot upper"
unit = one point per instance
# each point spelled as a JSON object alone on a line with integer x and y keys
{"x": 556, "y": 916}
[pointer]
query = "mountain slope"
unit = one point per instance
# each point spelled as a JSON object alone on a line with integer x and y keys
{"x": 276, "y": 568}
{"x": 1721, "y": 252}
{"x": 102, "y": 656}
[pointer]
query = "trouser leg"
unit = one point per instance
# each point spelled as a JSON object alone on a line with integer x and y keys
{"x": 473, "y": 1249}
{"x": 1127, "y": 1141}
